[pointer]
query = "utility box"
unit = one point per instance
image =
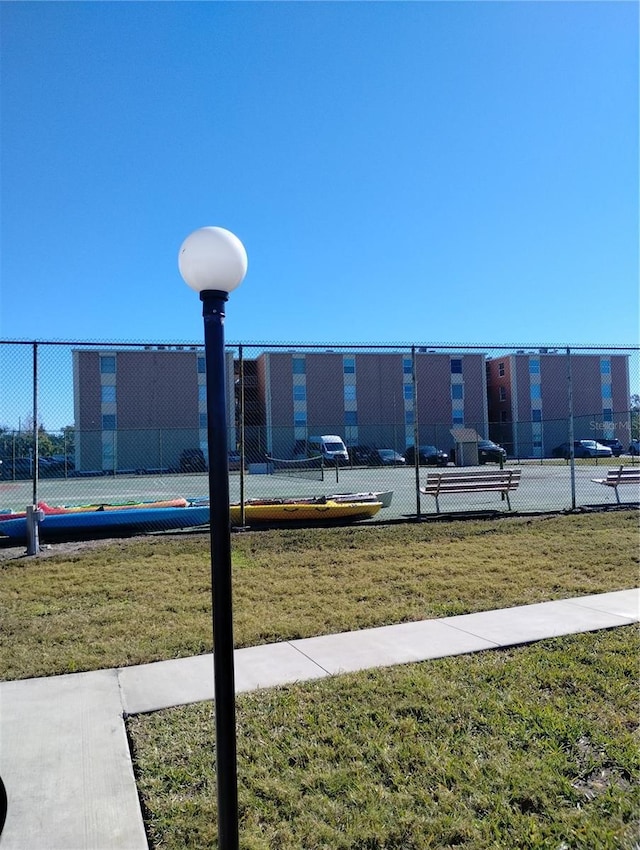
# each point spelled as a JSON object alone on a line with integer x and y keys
{"x": 466, "y": 446}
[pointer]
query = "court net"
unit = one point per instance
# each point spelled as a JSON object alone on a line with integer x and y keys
{"x": 306, "y": 467}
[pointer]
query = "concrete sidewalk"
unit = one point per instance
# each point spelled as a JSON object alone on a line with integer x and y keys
{"x": 64, "y": 755}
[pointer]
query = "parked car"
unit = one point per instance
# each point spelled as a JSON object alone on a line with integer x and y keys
{"x": 427, "y": 456}
{"x": 192, "y": 460}
{"x": 615, "y": 445}
{"x": 235, "y": 461}
{"x": 582, "y": 448}
{"x": 21, "y": 468}
{"x": 490, "y": 452}
{"x": 59, "y": 464}
{"x": 389, "y": 457}
{"x": 634, "y": 447}
{"x": 363, "y": 456}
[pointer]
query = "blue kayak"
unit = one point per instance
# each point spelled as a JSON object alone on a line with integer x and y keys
{"x": 130, "y": 521}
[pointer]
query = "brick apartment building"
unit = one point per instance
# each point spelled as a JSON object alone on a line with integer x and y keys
{"x": 139, "y": 408}
{"x": 368, "y": 398}
{"x": 528, "y": 395}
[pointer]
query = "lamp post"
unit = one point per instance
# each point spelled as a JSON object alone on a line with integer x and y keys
{"x": 213, "y": 262}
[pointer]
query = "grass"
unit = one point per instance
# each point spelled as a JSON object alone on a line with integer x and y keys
{"x": 148, "y": 599}
{"x": 531, "y": 747}
{"x": 527, "y": 748}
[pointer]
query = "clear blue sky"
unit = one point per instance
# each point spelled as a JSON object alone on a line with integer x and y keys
{"x": 439, "y": 172}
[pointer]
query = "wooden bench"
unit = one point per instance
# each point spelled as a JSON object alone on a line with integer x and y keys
{"x": 616, "y": 477}
{"x": 444, "y": 482}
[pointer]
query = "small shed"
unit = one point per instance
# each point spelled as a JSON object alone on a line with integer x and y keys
{"x": 466, "y": 446}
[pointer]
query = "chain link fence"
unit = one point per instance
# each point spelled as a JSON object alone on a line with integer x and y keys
{"x": 96, "y": 423}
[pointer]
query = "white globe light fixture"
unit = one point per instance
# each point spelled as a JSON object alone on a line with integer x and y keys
{"x": 213, "y": 262}
{"x": 212, "y": 258}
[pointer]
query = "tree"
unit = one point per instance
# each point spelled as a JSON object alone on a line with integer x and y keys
{"x": 635, "y": 416}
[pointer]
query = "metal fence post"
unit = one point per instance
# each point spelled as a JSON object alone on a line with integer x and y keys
{"x": 36, "y": 459}
{"x": 242, "y": 449}
{"x": 416, "y": 430}
{"x": 572, "y": 459}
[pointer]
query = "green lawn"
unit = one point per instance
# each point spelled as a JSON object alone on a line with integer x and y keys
{"x": 532, "y": 747}
{"x": 149, "y": 599}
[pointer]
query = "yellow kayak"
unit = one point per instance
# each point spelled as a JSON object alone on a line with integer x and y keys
{"x": 280, "y": 510}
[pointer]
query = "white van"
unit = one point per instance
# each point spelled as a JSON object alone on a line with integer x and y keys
{"x": 330, "y": 446}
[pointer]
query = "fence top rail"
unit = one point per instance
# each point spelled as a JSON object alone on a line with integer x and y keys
{"x": 422, "y": 347}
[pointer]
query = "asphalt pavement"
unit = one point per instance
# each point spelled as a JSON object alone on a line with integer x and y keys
{"x": 543, "y": 488}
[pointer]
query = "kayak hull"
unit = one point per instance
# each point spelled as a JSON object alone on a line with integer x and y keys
{"x": 128, "y": 520}
{"x": 281, "y": 511}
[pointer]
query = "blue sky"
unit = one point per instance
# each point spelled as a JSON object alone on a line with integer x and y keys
{"x": 434, "y": 172}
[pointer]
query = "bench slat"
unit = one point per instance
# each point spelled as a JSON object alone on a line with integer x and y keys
{"x": 616, "y": 477}
{"x": 501, "y": 481}
{"x": 463, "y": 479}
{"x": 478, "y": 487}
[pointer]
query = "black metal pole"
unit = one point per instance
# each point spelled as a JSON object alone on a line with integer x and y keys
{"x": 36, "y": 446}
{"x": 416, "y": 430}
{"x": 213, "y": 311}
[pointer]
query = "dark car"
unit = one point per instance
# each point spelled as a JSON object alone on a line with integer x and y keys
{"x": 21, "y": 468}
{"x": 427, "y": 456}
{"x": 235, "y": 461}
{"x": 615, "y": 445}
{"x": 363, "y": 456}
{"x": 192, "y": 460}
{"x": 59, "y": 465}
{"x": 389, "y": 457}
{"x": 490, "y": 452}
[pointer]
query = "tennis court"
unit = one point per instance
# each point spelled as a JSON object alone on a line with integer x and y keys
{"x": 542, "y": 488}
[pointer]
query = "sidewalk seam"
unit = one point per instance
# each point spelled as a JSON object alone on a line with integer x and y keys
{"x": 309, "y": 658}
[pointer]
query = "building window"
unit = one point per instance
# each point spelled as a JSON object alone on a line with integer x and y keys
{"x": 504, "y": 415}
{"x": 349, "y": 366}
{"x": 108, "y": 365}
{"x": 108, "y": 392}
{"x": 537, "y": 444}
{"x": 108, "y": 422}
{"x": 606, "y": 391}
{"x": 458, "y": 417}
{"x": 536, "y": 415}
{"x": 536, "y": 391}
{"x": 408, "y": 392}
{"x": 501, "y": 370}
{"x": 203, "y": 420}
{"x": 299, "y": 392}
{"x": 457, "y": 391}
{"x": 299, "y": 418}
{"x": 407, "y": 366}
{"x": 607, "y": 414}
{"x": 456, "y": 366}
{"x": 299, "y": 366}
{"x": 408, "y": 417}
{"x": 503, "y": 393}
{"x": 201, "y": 367}
{"x": 350, "y": 417}
{"x": 605, "y": 367}
{"x": 534, "y": 367}
{"x": 202, "y": 392}
{"x": 350, "y": 392}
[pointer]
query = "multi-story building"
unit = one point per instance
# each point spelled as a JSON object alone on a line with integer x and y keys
{"x": 531, "y": 395}
{"x": 370, "y": 398}
{"x": 141, "y": 407}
